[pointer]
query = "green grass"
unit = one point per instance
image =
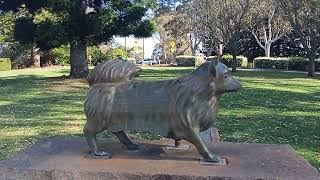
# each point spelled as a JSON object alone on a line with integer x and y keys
{"x": 272, "y": 107}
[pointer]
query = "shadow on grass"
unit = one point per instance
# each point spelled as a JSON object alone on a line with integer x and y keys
{"x": 256, "y": 115}
{"x": 36, "y": 101}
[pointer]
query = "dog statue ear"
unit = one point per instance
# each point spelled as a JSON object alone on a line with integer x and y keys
{"x": 212, "y": 67}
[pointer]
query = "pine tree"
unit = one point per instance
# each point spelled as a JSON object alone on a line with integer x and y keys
{"x": 80, "y": 23}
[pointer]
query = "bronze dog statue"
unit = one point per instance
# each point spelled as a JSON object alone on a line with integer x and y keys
{"x": 178, "y": 109}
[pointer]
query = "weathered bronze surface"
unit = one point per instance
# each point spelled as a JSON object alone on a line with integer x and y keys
{"x": 178, "y": 109}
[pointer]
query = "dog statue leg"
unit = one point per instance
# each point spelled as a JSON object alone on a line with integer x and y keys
{"x": 124, "y": 139}
{"x": 195, "y": 138}
{"x": 92, "y": 142}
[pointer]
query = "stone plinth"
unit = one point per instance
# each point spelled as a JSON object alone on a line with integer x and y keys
{"x": 64, "y": 158}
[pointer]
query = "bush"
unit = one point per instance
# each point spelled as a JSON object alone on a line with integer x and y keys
{"x": 290, "y": 63}
{"x": 112, "y": 54}
{"x": 96, "y": 56}
{"x": 185, "y": 60}
{"x": 8, "y": 50}
{"x": 199, "y": 60}
{"x": 227, "y": 60}
{"x": 189, "y": 60}
{"x": 298, "y": 63}
{"x": 18, "y": 53}
{"x": 5, "y": 64}
{"x": 61, "y": 55}
{"x": 22, "y": 60}
{"x": 271, "y": 63}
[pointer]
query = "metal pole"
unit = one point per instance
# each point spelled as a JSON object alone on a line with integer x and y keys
{"x": 142, "y": 48}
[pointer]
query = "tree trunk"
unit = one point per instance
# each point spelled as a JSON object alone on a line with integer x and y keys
{"x": 312, "y": 67}
{"x": 78, "y": 59}
{"x": 35, "y": 56}
{"x": 267, "y": 50}
{"x": 220, "y": 52}
{"x": 193, "y": 51}
{"x": 234, "y": 62}
{"x": 47, "y": 60}
{"x": 234, "y": 52}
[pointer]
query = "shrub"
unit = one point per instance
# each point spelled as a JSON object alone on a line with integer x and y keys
{"x": 112, "y": 54}
{"x": 5, "y": 64}
{"x": 227, "y": 60}
{"x": 263, "y": 63}
{"x": 8, "y": 50}
{"x": 61, "y": 55}
{"x": 298, "y": 63}
{"x": 22, "y": 60}
{"x": 185, "y": 60}
{"x": 290, "y": 63}
{"x": 96, "y": 56}
{"x": 244, "y": 62}
{"x": 18, "y": 53}
{"x": 189, "y": 60}
{"x": 199, "y": 60}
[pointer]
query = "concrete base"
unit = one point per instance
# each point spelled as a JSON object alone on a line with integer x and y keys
{"x": 183, "y": 147}
{"x": 64, "y": 158}
{"x": 223, "y": 162}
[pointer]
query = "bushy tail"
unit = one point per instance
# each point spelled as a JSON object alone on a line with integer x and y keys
{"x": 113, "y": 71}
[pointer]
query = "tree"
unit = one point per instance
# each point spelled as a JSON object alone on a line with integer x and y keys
{"x": 178, "y": 30}
{"x": 196, "y": 32}
{"x": 7, "y": 42}
{"x": 184, "y": 28}
{"x": 162, "y": 17}
{"x": 81, "y": 23}
{"x": 224, "y": 20}
{"x": 177, "y": 24}
{"x": 25, "y": 10}
{"x": 287, "y": 46}
{"x": 7, "y": 25}
{"x": 267, "y": 24}
{"x": 157, "y": 53}
{"x": 136, "y": 51}
{"x": 303, "y": 16}
{"x": 91, "y": 22}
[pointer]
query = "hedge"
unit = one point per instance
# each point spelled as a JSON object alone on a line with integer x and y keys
{"x": 189, "y": 60}
{"x": 5, "y": 64}
{"x": 289, "y": 63}
{"x": 227, "y": 60}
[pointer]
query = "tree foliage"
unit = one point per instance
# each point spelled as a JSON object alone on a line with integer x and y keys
{"x": 267, "y": 24}
{"x": 304, "y": 16}
{"x": 7, "y": 20}
{"x": 80, "y": 23}
{"x": 224, "y": 20}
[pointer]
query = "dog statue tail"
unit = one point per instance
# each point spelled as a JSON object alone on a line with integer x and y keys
{"x": 114, "y": 71}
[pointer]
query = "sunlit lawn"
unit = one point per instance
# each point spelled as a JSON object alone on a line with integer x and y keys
{"x": 272, "y": 107}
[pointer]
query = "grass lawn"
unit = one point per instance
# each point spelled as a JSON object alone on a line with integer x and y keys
{"x": 272, "y": 107}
